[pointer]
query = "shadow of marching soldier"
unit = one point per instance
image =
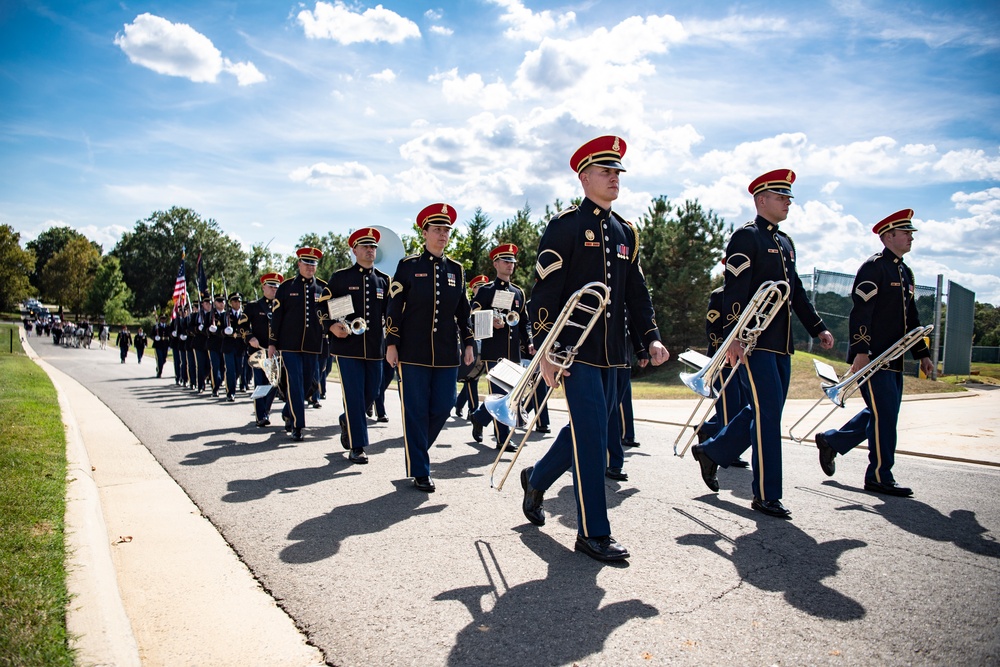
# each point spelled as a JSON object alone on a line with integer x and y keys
{"x": 781, "y": 558}
{"x": 320, "y": 537}
{"x": 557, "y": 620}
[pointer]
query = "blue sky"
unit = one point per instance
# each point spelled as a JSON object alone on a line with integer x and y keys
{"x": 282, "y": 118}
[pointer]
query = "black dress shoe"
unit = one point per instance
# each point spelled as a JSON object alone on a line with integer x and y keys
{"x": 261, "y": 423}
{"x": 771, "y": 508}
{"x": 889, "y": 489}
{"x": 215, "y": 393}
{"x": 296, "y": 434}
{"x": 740, "y": 463}
{"x": 709, "y": 468}
{"x": 345, "y": 441}
{"x": 629, "y": 442}
{"x": 288, "y": 423}
{"x": 322, "y": 397}
{"x": 510, "y": 447}
{"x": 370, "y": 411}
{"x": 425, "y": 484}
{"x": 358, "y": 456}
{"x": 616, "y": 473}
{"x": 601, "y": 548}
{"x": 230, "y": 398}
{"x": 383, "y": 419}
{"x": 267, "y": 420}
{"x": 543, "y": 428}
{"x": 477, "y": 432}
{"x": 532, "y": 503}
{"x": 826, "y": 455}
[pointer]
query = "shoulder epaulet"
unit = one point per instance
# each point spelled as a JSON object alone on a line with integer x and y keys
{"x": 873, "y": 258}
{"x": 410, "y": 257}
{"x": 752, "y": 223}
{"x": 565, "y": 211}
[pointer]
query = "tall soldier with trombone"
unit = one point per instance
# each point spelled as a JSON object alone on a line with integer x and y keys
{"x": 255, "y": 329}
{"x": 884, "y": 311}
{"x": 757, "y": 253}
{"x": 584, "y": 244}
{"x": 359, "y": 348}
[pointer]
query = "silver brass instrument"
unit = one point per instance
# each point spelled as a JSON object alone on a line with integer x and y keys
{"x": 512, "y": 408}
{"x": 838, "y": 391}
{"x": 510, "y": 318}
{"x": 271, "y": 368}
{"x": 758, "y": 314}
{"x": 357, "y": 326}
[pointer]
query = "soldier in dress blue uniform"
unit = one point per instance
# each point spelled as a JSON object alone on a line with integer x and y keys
{"x": 468, "y": 391}
{"x": 583, "y": 244}
{"x": 177, "y": 329}
{"x": 621, "y": 429}
{"x": 255, "y": 330}
{"x": 506, "y": 341}
{"x": 756, "y": 253}
{"x": 198, "y": 335}
{"x": 884, "y": 310}
{"x": 300, "y": 319}
{"x": 216, "y": 333}
{"x": 161, "y": 343}
{"x": 232, "y": 344}
{"x": 426, "y": 328}
{"x": 359, "y": 356}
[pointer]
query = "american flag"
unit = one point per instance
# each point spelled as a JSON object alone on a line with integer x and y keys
{"x": 180, "y": 289}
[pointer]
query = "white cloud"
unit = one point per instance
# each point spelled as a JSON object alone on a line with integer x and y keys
{"x": 350, "y": 179}
{"x": 870, "y": 158}
{"x": 441, "y": 30}
{"x": 177, "y": 49}
{"x": 337, "y": 22}
{"x": 528, "y": 25}
{"x": 385, "y": 76}
{"x": 830, "y": 188}
{"x": 472, "y": 90}
{"x": 737, "y": 29}
{"x": 434, "y": 14}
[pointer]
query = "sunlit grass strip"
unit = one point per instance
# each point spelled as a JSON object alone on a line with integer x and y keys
{"x": 33, "y": 593}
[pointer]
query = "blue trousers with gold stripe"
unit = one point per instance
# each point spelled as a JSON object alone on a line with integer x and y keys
{"x": 482, "y": 416}
{"x": 768, "y": 374}
{"x": 581, "y": 446}
{"x": 262, "y": 405}
{"x": 428, "y": 395}
{"x": 733, "y": 399}
{"x": 299, "y": 367}
{"x": 361, "y": 380}
{"x": 876, "y": 424}
{"x": 616, "y": 424}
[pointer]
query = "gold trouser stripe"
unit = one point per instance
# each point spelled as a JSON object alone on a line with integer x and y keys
{"x": 578, "y": 482}
{"x": 288, "y": 397}
{"x": 402, "y": 412}
{"x": 878, "y": 442}
{"x": 343, "y": 398}
{"x": 760, "y": 444}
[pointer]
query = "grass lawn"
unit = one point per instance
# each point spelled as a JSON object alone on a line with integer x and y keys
{"x": 33, "y": 593}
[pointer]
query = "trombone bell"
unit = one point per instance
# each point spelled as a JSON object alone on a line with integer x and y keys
{"x": 500, "y": 406}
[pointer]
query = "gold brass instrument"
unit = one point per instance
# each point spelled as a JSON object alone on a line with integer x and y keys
{"x": 758, "y": 314}
{"x": 838, "y": 392}
{"x": 271, "y": 368}
{"x": 512, "y": 408}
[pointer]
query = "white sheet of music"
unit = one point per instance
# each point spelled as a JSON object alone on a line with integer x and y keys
{"x": 340, "y": 307}
{"x": 502, "y": 300}
{"x": 506, "y": 374}
{"x": 482, "y": 324}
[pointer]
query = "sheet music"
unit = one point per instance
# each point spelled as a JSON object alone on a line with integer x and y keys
{"x": 482, "y": 324}
{"x": 506, "y": 374}
{"x": 502, "y": 300}
{"x": 694, "y": 359}
{"x": 826, "y": 372}
{"x": 340, "y": 307}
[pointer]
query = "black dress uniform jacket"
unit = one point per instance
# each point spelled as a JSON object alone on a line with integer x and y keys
{"x": 198, "y": 323}
{"x": 505, "y": 343}
{"x": 220, "y": 340}
{"x": 256, "y": 322}
{"x": 161, "y": 336}
{"x": 369, "y": 291}
{"x": 428, "y": 317}
{"x": 758, "y": 252}
{"x": 884, "y": 308}
{"x": 714, "y": 321}
{"x": 300, "y": 317}
{"x": 589, "y": 244}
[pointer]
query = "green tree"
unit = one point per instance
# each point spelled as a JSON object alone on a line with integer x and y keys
{"x": 986, "y": 325}
{"x": 47, "y": 244}
{"x": 336, "y": 254}
{"x": 684, "y": 244}
{"x": 68, "y": 275}
{"x": 16, "y": 264}
{"x": 525, "y": 234}
{"x": 151, "y": 253}
{"x": 472, "y": 247}
{"x": 109, "y": 296}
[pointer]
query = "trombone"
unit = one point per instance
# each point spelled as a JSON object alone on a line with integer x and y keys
{"x": 838, "y": 391}
{"x": 512, "y": 408}
{"x": 758, "y": 314}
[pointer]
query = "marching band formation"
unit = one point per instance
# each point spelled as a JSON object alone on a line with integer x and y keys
{"x": 587, "y": 313}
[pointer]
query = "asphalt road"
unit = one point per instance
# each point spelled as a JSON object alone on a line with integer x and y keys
{"x": 374, "y": 572}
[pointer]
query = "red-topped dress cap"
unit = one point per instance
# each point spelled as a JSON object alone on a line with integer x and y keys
{"x": 274, "y": 279}
{"x": 365, "y": 236}
{"x": 478, "y": 281}
{"x": 898, "y": 220}
{"x": 309, "y": 255}
{"x": 505, "y": 251}
{"x": 779, "y": 180}
{"x": 605, "y": 151}
{"x": 437, "y": 214}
